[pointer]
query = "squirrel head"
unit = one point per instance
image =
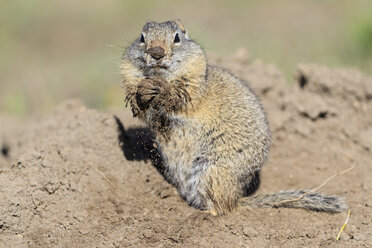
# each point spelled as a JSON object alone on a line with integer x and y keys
{"x": 163, "y": 49}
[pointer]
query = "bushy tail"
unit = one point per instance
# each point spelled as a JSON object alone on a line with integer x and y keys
{"x": 296, "y": 199}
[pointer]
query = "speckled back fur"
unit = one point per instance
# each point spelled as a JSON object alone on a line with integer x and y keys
{"x": 210, "y": 127}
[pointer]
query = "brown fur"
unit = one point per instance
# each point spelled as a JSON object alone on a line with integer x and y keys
{"x": 210, "y": 127}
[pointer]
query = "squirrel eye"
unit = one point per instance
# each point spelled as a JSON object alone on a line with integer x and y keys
{"x": 176, "y": 38}
{"x": 142, "y": 39}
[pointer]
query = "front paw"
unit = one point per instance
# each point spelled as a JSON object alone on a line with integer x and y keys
{"x": 148, "y": 89}
{"x": 130, "y": 98}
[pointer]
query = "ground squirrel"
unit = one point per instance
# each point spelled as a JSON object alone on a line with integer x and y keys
{"x": 210, "y": 127}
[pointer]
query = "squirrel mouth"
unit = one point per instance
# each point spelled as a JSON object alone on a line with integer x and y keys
{"x": 159, "y": 66}
{"x": 157, "y": 69}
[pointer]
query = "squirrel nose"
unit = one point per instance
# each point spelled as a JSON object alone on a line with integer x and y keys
{"x": 156, "y": 52}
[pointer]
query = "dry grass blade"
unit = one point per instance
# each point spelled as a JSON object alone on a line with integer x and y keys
{"x": 330, "y": 178}
{"x": 314, "y": 189}
{"x": 344, "y": 225}
{"x": 81, "y": 174}
{"x": 102, "y": 174}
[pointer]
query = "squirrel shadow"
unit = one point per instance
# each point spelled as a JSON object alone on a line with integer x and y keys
{"x": 137, "y": 144}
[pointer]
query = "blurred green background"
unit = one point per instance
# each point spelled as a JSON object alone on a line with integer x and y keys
{"x": 52, "y": 50}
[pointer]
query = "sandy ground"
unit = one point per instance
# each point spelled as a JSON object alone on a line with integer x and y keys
{"x": 82, "y": 178}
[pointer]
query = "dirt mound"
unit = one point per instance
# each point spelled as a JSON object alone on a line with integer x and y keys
{"x": 83, "y": 178}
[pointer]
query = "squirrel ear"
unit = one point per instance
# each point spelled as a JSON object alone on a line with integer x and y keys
{"x": 181, "y": 27}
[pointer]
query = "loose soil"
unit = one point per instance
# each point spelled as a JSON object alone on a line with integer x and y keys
{"x": 83, "y": 178}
